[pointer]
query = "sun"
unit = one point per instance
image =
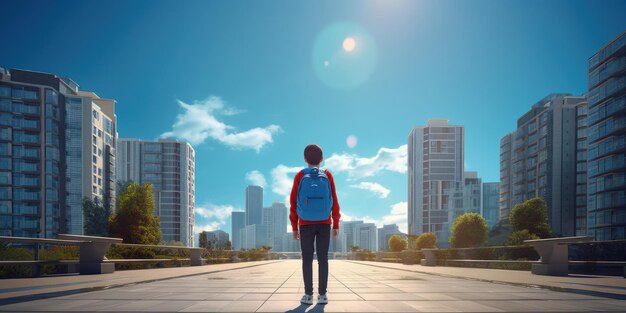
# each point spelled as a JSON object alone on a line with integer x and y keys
{"x": 349, "y": 44}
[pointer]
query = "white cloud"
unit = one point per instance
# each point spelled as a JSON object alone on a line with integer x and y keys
{"x": 282, "y": 180}
{"x": 220, "y": 212}
{"x": 256, "y": 178}
{"x": 198, "y": 228}
{"x": 375, "y": 188}
{"x": 398, "y": 215}
{"x": 198, "y": 122}
{"x": 209, "y": 217}
{"x": 386, "y": 159}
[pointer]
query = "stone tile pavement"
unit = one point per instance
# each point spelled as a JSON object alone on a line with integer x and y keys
{"x": 353, "y": 287}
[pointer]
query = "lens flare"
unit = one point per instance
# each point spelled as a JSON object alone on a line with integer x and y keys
{"x": 349, "y": 44}
{"x": 344, "y": 56}
{"x": 351, "y": 141}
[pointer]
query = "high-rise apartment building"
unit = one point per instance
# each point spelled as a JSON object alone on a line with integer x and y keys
{"x": 238, "y": 221}
{"x": 582, "y": 148}
{"x": 368, "y": 238}
{"x": 543, "y": 157}
{"x": 472, "y": 194}
{"x": 435, "y": 159}
{"x": 505, "y": 199}
{"x": 168, "y": 165}
{"x": 275, "y": 218}
{"x": 90, "y": 153}
{"x": 254, "y": 205}
{"x": 490, "y": 204}
{"x": 349, "y": 233}
{"x": 57, "y": 146}
{"x": 385, "y": 232}
{"x": 606, "y": 211}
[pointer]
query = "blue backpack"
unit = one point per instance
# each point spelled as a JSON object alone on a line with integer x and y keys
{"x": 315, "y": 199}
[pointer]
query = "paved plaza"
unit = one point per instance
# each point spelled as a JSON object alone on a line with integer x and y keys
{"x": 353, "y": 287}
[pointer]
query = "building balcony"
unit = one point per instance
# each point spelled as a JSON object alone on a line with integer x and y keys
{"x": 616, "y": 66}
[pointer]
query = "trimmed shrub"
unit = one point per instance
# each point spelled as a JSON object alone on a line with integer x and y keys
{"x": 396, "y": 243}
{"x": 469, "y": 230}
{"x": 517, "y": 237}
{"x": 426, "y": 240}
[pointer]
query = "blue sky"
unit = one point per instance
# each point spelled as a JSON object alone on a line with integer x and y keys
{"x": 248, "y": 84}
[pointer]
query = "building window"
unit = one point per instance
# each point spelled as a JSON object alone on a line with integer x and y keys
{"x": 5, "y": 91}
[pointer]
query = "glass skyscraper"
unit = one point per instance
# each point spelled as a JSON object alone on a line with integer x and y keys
{"x": 606, "y": 210}
{"x": 254, "y": 205}
{"x": 490, "y": 205}
{"x": 238, "y": 222}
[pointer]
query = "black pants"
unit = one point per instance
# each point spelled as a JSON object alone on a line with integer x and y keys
{"x": 315, "y": 236}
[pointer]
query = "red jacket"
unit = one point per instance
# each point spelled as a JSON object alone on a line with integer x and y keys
{"x": 293, "y": 216}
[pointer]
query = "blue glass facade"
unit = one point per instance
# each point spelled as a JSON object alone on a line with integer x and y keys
{"x": 38, "y": 164}
{"x": 606, "y": 203}
{"x": 22, "y": 160}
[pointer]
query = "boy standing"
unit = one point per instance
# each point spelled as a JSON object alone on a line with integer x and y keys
{"x": 314, "y": 207}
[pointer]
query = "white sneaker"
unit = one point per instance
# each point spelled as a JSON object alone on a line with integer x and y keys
{"x": 322, "y": 299}
{"x": 307, "y": 299}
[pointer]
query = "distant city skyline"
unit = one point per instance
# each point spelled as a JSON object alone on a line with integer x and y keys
{"x": 239, "y": 86}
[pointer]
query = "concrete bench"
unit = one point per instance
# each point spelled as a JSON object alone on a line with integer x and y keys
{"x": 430, "y": 259}
{"x": 553, "y": 254}
{"x": 92, "y": 252}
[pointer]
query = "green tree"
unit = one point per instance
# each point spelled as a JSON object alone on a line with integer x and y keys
{"x": 203, "y": 240}
{"x": 468, "y": 230}
{"x": 426, "y": 240}
{"x": 499, "y": 233}
{"x": 355, "y": 248}
{"x": 531, "y": 215}
{"x": 517, "y": 237}
{"x": 396, "y": 243}
{"x": 96, "y": 216}
{"x": 134, "y": 220}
